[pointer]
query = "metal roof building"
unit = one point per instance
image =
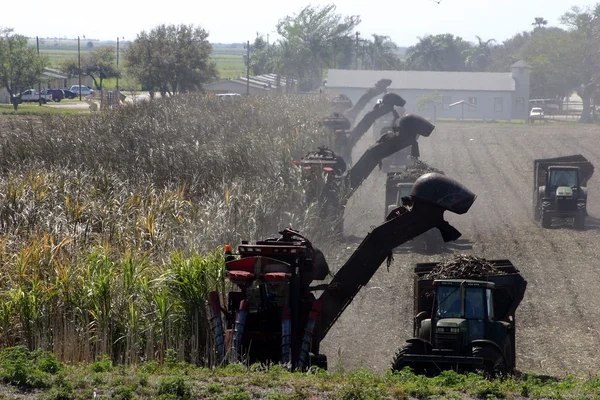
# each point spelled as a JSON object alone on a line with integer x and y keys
{"x": 490, "y": 95}
{"x": 260, "y": 84}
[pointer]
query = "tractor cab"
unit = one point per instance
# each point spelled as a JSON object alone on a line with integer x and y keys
{"x": 562, "y": 181}
{"x": 462, "y": 318}
{"x": 463, "y": 309}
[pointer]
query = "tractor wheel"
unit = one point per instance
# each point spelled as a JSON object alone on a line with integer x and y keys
{"x": 400, "y": 361}
{"x": 508, "y": 355}
{"x": 494, "y": 363}
{"x": 579, "y": 222}
{"x": 546, "y": 220}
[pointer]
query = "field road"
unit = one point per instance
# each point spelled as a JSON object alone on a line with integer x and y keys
{"x": 558, "y": 322}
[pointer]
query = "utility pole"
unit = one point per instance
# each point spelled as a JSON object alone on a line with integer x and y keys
{"x": 79, "y": 62}
{"x": 117, "y": 65}
{"x": 248, "y": 68}
{"x": 267, "y": 39}
{"x": 37, "y": 41}
{"x": 357, "y": 33}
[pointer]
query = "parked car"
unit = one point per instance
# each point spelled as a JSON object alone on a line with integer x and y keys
{"x": 57, "y": 94}
{"x": 536, "y": 113}
{"x": 85, "y": 90}
{"x": 33, "y": 95}
{"x": 70, "y": 94}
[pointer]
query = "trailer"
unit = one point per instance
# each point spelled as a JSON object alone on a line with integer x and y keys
{"x": 560, "y": 189}
{"x": 465, "y": 322}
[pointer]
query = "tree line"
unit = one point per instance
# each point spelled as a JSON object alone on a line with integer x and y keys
{"x": 171, "y": 59}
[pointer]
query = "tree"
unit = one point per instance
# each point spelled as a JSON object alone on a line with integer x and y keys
{"x": 98, "y": 64}
{"x": 20, "y": 65}
{"x": 509, "y": 52}
{"x": 311, "y": 36}
{"x": 171, "y": 59}
{"x": 381, "y": 54}
{"x": 480, "y": 55}
{"x": 438, "y": 53}
{"x": 584, "y": 25}
{"x": 539, "y": 22}
{"x": 550, "y": 53}
{"x": 90, "y": 45}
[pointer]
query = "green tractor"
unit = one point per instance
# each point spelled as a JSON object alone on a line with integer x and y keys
{"x": 560, "y": 189}
{"x": 464, "y": 324}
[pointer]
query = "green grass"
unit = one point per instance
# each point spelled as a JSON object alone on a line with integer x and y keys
{"x": 22, "y": 369}
{"x": 230, "y": 65}
{"x": 230, "y": 62}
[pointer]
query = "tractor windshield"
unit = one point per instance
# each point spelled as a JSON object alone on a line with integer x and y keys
{"x": 449, "y": 302}
{"x": 563, "y": 178}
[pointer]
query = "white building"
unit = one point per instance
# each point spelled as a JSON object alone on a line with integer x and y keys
{"x": 489, "y": 95}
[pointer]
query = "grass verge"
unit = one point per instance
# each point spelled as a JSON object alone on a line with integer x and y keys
{"x": 37, "y": 374}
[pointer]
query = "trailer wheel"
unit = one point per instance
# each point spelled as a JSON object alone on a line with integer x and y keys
{"x": 400, "y": 361}
{"x": 546, "y": 220}
{"x": 494, "y": 363}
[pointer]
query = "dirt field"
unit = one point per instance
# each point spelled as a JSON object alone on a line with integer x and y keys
{"x": 559, "y": 319}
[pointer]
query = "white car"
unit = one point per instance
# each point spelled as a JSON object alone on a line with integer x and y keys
{"x": 85, "y": 90}
{"x": 536, "y": 113}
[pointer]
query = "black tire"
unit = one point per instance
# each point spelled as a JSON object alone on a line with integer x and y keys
{"x": 508, "y": 354}
{"x": 579, "y": 222}
{"x": 546, "y": 220}
{"x": 43, "y": 101}
{"x": 494, "y": 363}
{"x": 57, "y": 100}
{"x": 318, "y": 360}
{"x": 400, "y": 361}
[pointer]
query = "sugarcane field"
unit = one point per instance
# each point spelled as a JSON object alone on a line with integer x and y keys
{"x": 330, "y": 201}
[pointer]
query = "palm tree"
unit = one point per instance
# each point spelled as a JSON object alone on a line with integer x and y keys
{"x": 539, "y": 22}
{"x": 444, "y": 52}
{"x": 479, "y": 58}
{"x": 381, "y": 54}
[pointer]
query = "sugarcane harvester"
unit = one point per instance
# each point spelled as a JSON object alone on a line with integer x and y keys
{"x": 341, "y": 120}
{"x": 273, "y": 315}
{"x": 331, "y": 186}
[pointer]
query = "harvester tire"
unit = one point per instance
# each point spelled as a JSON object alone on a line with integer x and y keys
{"x": 410, "y": 348}
{"x": 579, "y": 222}
{"x": 494, "y": 363}
{"x": 546, "y": 220}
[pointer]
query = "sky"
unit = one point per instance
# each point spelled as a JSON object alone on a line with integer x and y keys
{"x": 235, "y": 21}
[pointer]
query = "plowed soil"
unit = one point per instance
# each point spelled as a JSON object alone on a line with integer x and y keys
{"x": 558, "y": 322}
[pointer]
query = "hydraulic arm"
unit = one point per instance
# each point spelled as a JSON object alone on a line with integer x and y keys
{"x": 432, "y": 195}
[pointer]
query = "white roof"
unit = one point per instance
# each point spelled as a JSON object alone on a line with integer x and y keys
{"x": 425, "y": 80}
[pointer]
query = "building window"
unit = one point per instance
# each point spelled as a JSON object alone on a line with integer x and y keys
{"x": 498, "y": 104}
{"x": 446, "y": 100}
{"x": 520, "y": 104}
{"x": 472, "y": 103}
